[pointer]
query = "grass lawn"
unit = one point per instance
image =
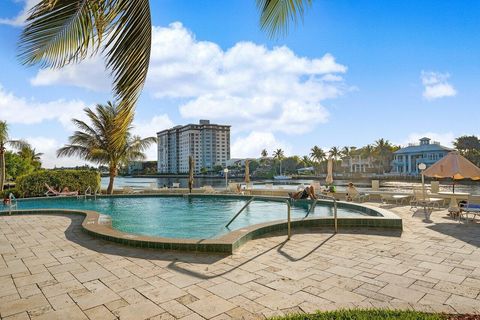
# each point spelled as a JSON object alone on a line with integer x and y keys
{"x": 371, "y": 315}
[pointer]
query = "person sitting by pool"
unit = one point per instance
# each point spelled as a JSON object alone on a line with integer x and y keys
{"x": 308, "y": 192}
{"x": 352, "y": 192}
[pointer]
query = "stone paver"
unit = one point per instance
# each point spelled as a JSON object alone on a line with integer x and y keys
{"x": 50, "y": 269}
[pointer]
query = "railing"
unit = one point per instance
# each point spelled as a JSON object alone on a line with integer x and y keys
{"x": 87, "y": 190}
{"x": 12, "y": 202}
{"x": 240, "y": 211}
{"x": 335, "y": 220}
{"x": 289, "y": 220}
{"x": 312, "y": 207}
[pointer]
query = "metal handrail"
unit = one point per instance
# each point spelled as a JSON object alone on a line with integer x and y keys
{"x": 334, "y": 210}
{"x": 86, "y": 190}
{"x": 12, "y": 198}
{"x": 311, "y": 207}
{"x": 240, "y": 211}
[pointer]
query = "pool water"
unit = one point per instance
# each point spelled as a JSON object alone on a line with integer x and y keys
{"x": 184, "y": 217}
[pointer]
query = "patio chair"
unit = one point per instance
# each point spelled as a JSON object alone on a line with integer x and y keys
{"x": 397, "y": 198}
{"x": 472, "y": 206}
{"x": 422, "y": 199}
{"x": 127, "y": 190}
{"x": 208, "y": 189}
{"x": 358, "y": 196}
{"x": 233, "y": 188}
{"x": 52, "y": 192}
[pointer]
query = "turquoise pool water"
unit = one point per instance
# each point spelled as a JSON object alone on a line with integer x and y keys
{"x": 183, "y": 217}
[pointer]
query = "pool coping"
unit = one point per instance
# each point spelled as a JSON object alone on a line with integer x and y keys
{"x": 100, "y": 225}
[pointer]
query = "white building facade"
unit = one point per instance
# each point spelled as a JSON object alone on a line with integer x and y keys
{"x": 209, "y": 144}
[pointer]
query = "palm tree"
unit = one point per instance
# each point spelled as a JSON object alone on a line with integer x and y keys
{"x": 335, "y": 153}
{"x": 318, "y": 155}
{"x": 27, "y": 152}
{"x": 58, "y": 33}
{"x": 98, "y": 142}
{"x": 4, "y": 141}
{"x": 384, "y": 149}
{"x": 264, "y": 153}
{"x": 279, "y": 155}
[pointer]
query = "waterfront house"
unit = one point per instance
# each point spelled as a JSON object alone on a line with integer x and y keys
{"x": 406, "y": 160}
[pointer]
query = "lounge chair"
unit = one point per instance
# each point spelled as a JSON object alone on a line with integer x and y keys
{"x": 397, "y": 198}
{"x": 472, "y": 206}
{"x": 233, "y": 187}
{"x": 176, "y": 185}
{"x": 128, "y": 190}
{"x": 422, "y": 199}
{"x": 209, "y": 190}
{"x": 52, "y": 192}
{"x": 358, "y": 196}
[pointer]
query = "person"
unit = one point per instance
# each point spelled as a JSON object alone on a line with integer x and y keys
{"x": 6, "y": 201}
{"x": 351, "y": 191}
{"x": 308, "y": 192}
{"x": 65, "y": 190}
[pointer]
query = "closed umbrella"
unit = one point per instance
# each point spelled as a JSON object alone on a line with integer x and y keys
{"x": 247, "y": 172}
{"x": 453, "y": 166}
{"x": 329, "y": 178}
{"x": 190, "y": 173}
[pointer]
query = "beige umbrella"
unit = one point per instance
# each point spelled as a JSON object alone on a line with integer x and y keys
{"x": 453, "y": 166}
{"x": 247, "y": 172}
{"x": 190, "y": 173}
{"x": 329, "y": 178}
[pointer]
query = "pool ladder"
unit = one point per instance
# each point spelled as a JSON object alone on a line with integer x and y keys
{"x": 88, "y": 192}
{"x": 12, "y": 203}
{"x": 289, "y": 229}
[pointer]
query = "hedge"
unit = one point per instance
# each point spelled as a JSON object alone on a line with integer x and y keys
{"x": 33, "y": 185}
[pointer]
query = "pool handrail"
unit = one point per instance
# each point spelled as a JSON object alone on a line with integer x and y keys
{"x": 311, "y": 207}
{"x": 12, "y": 198}
{"x": 239, "y": 211}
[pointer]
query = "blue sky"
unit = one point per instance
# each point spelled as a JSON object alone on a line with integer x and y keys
{"x": 353, "y": 72}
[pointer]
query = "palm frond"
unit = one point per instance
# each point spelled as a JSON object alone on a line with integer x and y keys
{"x": 61, "y": 32}
{"x": 276, "y": 15}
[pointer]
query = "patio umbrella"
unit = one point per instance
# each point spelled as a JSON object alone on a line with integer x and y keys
{"x": 329, "y": 178}
{"x": 453, "y": 166}
{"x": 190, "y": 173}
{"x": 247, "y": 172}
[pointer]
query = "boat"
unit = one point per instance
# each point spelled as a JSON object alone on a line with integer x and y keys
{"x": 282, "y": 177}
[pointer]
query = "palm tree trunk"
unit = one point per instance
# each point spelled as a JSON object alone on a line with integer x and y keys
{"x": 113, "y": 174}
{"x": 2, "y": 168}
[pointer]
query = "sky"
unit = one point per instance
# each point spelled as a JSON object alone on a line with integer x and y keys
{"x": 352, "y": 72}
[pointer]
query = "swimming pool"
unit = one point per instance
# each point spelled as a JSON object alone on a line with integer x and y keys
{"x": 192, "y": 217}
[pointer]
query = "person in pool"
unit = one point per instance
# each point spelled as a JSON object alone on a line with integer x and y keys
{"x": 308, "y": 192}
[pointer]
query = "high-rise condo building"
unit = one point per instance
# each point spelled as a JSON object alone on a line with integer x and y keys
{"x": 209, "y": 144}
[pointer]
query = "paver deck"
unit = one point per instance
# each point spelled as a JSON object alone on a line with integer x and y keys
{"x": 50, "y": 269}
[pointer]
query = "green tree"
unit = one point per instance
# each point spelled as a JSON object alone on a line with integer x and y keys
{"x": 98, "y": 142}
{"x": 279, "y": 155}
{"x": 264, "y": 153}
{"x": 4, "y": 141}
{"x": 30, "y": 154}
{"x": 469, "y": 147}
{"x": 16, "y": 165}
{"x": 383, "y": 149}
{"x": 319, "y": 156}
{"x": 203, "y": 170}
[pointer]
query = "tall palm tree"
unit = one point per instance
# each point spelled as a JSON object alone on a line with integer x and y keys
{"x": 4, "y": 141}
{"x": 279, "y": 155}
{"x": 384, "y": 150}
{"x": 97, "y": 142}
{"x": 335, "y": 153}
{"x": 264, "y": 153}
{"x": 61, "y": 32}
{"x": 318, "y": 155}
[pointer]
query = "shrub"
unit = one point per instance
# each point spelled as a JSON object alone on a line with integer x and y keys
{"x": 33, "y": 185}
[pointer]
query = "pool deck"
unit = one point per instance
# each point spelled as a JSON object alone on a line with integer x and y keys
{"x": 51, "y": 269}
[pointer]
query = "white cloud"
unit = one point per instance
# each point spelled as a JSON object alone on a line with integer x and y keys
{"x": 253, "y": 144}
{"x": 249, "y": 86}
{"x": 49, "y": 147}
{"x": 436, "y": 85}
{"x": 150, "y": 128}
{"x": 20, "y": 110}
{"x": 19, "y": 20}
{"x": 445, "y": 138}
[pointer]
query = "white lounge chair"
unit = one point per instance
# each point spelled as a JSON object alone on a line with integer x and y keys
{"x": 397, "y": 198}
{"x": 127, "y": 190}
{"x": 209, "y": 189}
{"x": 52, "y": 192}
{"x": 358, "y": 196}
